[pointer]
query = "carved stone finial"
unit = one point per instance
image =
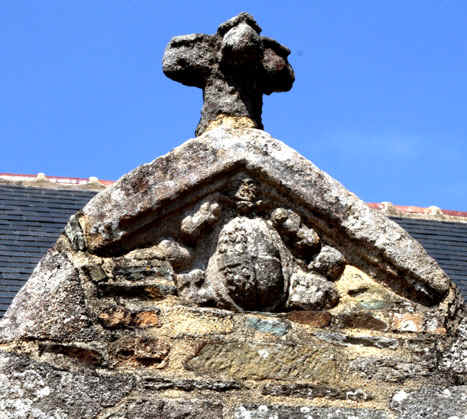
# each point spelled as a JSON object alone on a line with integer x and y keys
{"x": 234, "y": 67}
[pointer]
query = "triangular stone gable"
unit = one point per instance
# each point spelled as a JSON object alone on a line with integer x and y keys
{"x": 119, "y": 218}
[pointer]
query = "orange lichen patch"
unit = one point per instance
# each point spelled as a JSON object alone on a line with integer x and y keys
{"x": 146, "y": 319}
{"x": 231, "y": 122}
{"x": 310, "y": 318}
{"x": 115, "y": 317}
{"x": 138, "y": 352}
{"x": 418, "y": 323}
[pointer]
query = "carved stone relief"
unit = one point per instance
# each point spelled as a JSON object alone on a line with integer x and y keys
{"x": 236, "y": 249}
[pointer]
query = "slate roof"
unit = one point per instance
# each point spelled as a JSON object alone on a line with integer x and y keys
{"x": 31, "y": 219}
{"x": 444, "y": 241}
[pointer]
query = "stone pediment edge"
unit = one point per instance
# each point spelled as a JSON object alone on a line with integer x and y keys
{"x": 142, "y": 194}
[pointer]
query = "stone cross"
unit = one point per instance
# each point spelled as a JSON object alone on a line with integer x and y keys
{"x": 234, "y": 67}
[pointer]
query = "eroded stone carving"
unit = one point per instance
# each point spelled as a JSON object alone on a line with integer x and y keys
{"x": 178, "y": 255}
{"x": 329, "y": 261}
{"x": 191, "y": 287}
{"x": 197, "y": 169}
{"x": 245, "y": 193}
{"x": 303, "y": 240}
{"x": 248, "y": 269}
{"x": 261, "y": 258}
{"x": 237, "y": 249}
{"x": 192, "y": 225}
{"x": 311, "y": 291}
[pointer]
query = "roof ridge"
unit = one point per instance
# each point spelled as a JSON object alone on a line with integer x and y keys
{"x": 42, "y": 181}
{"x": 93, "y": 183}
{"x": 411, "y": 211}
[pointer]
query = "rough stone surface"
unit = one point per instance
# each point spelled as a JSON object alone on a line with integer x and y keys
{"x": 168, "y": 409}
{"x": 32, "y": 389}
{"x": 277, "y": 328}
{"x": 311, "y": 391}
{"x": 431, "y": 402}
{"x": 50, "y": 306}
{"x": 311, "y": 292}
{"x": 234, "y": 67}
{"x": 160, "y": 383}
{"x": 305, "y": 412}
{"x": 454, "y": 359}
{"x": 390, "y": 369}
{"x": 312, "y": 318}
{"x": 345, "y": 340}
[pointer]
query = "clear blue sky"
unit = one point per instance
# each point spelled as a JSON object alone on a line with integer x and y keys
{"x": 379, "y": 100}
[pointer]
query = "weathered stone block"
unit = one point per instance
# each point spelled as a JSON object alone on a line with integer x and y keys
{"x": 262, "y": 361}
{"x": 390, "y": 369}
{"x": 160, "y": 383}
{"x": 185, "y": 322}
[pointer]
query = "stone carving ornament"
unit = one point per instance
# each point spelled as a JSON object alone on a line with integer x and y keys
{"x": 263, "y": 260}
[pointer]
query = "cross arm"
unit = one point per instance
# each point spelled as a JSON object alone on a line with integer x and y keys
{"x": 189, "y": 59}
{"x": 278, "y": 75}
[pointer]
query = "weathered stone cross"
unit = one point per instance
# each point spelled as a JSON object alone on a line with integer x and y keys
{"x": 234, "y": 67}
